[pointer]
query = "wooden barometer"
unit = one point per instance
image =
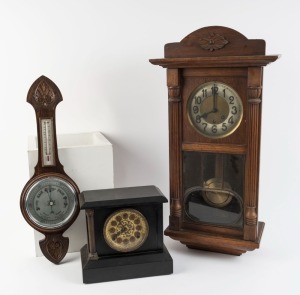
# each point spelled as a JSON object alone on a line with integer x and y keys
{"x": 214, "y": 79}
{"x": 49, "y": 200}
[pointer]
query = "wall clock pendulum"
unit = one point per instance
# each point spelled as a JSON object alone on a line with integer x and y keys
{"x": 214, "y": 79}
{"x": 49, "y": 200}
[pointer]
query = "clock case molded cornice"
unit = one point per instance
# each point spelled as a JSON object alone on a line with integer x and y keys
{"x": 215, "y": 46}
{"x": 219, "y": 61}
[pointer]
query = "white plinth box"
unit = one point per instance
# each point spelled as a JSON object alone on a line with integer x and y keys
{"x": 88, "y": 159}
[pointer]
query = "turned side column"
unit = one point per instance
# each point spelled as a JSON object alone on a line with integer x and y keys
{"x": 175, "y": 137}
{"x": 253, "y": 153}
{"x": 91, "y": 234}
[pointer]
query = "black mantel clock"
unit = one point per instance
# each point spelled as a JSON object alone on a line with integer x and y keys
{"x": 125, "y": 234}
{"x": 214, "y": 79}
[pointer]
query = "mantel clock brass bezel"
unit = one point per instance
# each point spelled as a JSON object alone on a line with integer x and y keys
{"x": 126, "y": 230}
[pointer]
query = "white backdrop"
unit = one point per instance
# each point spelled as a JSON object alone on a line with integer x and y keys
{"x": 97, "y": 53}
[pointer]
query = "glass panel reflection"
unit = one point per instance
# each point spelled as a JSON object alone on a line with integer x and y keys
{"x": 213, "y": 185}
{"x": 199, "y": 207}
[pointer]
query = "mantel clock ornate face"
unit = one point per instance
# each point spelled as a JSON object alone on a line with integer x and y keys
{"x": 126, "y": 230}
{"x": 49, "y": 200}
{"x": 214, "y": 78}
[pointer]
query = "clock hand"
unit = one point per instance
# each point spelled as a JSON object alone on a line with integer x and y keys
{"x": 214, "y": 99}
{"x": 204, "y": 115}
{"x": 121, "y": 231}
{"x": 214, "y": 109}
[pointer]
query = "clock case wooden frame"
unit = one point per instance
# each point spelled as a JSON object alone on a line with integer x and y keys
{"x": 215, "y": 54}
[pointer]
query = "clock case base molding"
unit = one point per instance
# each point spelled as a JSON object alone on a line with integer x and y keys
{"x": 206, "y": 242}
{"x": 107, "y": 269}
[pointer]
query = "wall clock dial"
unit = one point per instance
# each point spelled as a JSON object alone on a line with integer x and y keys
{"x": 214, "y": 79}
{"x": 215, "y": 109}
{"x": 49, "y": 200}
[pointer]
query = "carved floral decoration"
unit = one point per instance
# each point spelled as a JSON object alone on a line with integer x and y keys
{"x": 55, "y": 249}
{"x": 213, "y": 42}
{"x": 44, "y": 94}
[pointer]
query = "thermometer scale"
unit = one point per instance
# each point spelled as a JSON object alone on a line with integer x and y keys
{"x": 47, "y": 142}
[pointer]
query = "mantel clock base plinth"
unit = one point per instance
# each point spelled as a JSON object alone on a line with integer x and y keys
{"x": 206, "y": 242}
{"x": 111, "y": 268}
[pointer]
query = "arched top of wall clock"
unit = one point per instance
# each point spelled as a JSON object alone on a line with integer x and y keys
{"x": 215, "y": 41}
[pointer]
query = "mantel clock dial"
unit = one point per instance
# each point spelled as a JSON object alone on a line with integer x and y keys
{"x": 49, "y": 200}
{"x": 125, "y": 230}
{"x": 214, "y": 79}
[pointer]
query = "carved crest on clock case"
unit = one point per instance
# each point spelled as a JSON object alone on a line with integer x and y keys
{"x": 213, "y": 42}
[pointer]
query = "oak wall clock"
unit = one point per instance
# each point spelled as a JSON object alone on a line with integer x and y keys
{"x": 215, "y": 79}
{"x": 49, "y": 200}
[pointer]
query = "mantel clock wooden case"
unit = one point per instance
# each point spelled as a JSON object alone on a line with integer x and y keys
{"x": 214, "y": 79}
{"x": 49, "y": 200}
